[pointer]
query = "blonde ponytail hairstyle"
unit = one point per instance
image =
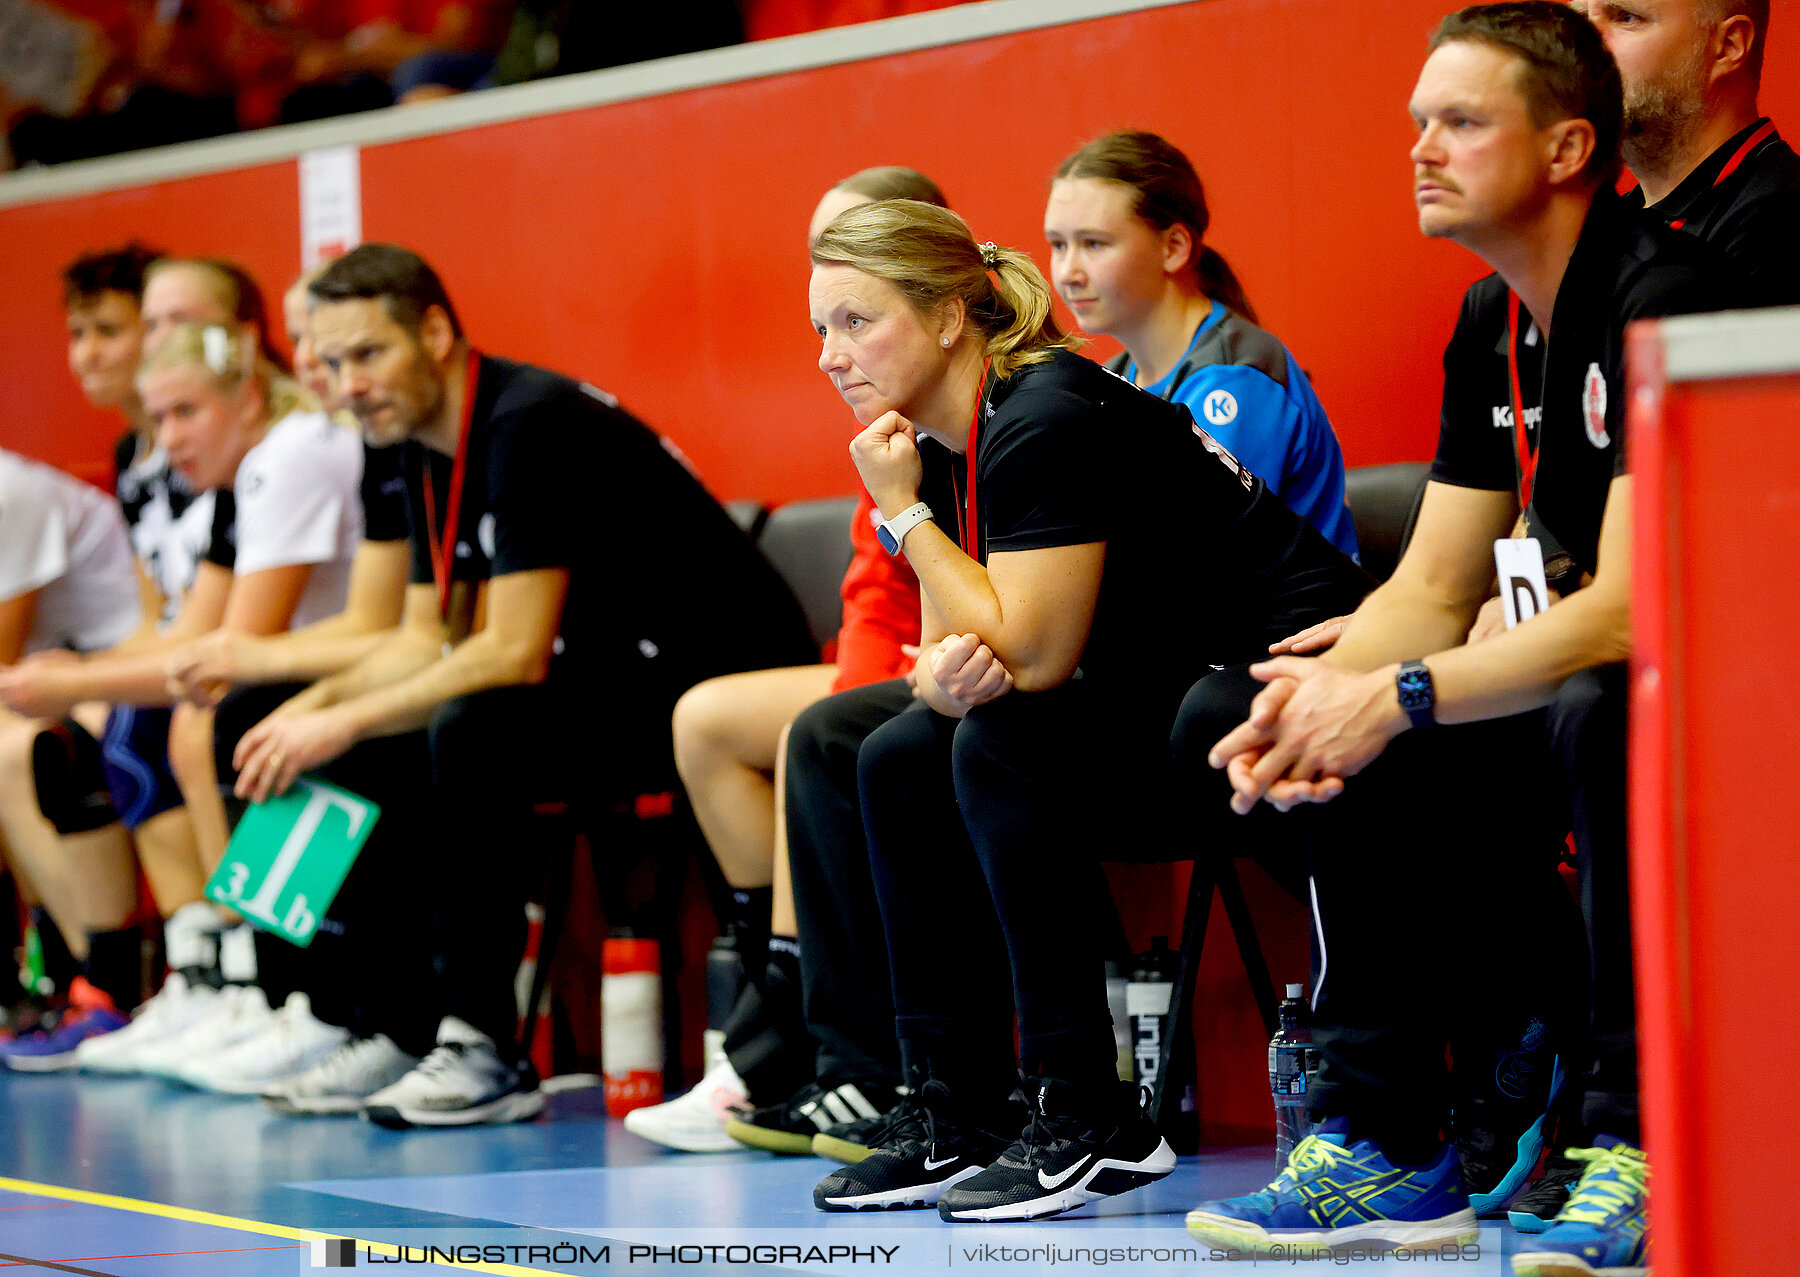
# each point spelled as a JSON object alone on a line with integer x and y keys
{"x": 231, "y": 359}
{"x": 928, "y": 255}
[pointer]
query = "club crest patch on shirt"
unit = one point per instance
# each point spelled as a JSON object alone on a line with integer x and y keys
{"x": 1593, "y": 407}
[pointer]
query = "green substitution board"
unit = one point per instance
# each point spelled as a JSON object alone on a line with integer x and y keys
{"x": 289, "y": 857}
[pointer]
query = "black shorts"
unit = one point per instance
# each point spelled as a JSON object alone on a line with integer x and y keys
{"x": 135, "y": 755}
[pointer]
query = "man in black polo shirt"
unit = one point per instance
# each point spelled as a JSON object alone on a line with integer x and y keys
{"x": 1707, "y": 162}
{"x": 1519, "y": 116}
{"x": 571, "y": 578}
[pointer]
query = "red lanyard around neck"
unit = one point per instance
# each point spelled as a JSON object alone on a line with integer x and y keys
{"x": 1731, "y": 165}
{"x": 971, "y": 524}
{"x": 444, "y": 547}
{"x": 1527, "y": 451}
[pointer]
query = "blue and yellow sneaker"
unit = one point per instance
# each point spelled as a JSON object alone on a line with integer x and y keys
{"x": 1601, "y": 1231}
{"x": 1334, "y": 1193}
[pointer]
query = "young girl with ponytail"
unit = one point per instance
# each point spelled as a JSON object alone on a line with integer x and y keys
{"x": 1126, "y": 223}
{"x": 1085, "y": 553}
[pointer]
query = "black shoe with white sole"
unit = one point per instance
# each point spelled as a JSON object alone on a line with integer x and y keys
{"x": 922, "y": 1151}
{"x": 1074, "y": 1151}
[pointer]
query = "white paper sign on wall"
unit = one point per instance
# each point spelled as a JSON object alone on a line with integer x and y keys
{"x": 330, "y": 204}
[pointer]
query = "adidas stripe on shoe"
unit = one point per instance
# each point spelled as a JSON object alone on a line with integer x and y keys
{"x": 788, "y": 1128}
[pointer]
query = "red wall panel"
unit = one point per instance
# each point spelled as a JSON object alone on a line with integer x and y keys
{"x": 654, "y": 245}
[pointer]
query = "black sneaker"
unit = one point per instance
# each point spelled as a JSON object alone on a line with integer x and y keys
{"x": 789, "y": 1127}
{"x": 1536, "y": 1208}
{"x": 923, "y": 1150}
{"x": 850, "y": 1142}
{"x": 1498, "y": 1122}
{"x": 1069, "y": 1155}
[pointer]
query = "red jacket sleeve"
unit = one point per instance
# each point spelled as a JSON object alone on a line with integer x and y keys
{"x": 881, "y": 609}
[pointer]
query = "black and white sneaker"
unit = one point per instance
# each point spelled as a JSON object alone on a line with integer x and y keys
{"x": 789, "y": 1127}
{"x": 922, "y": 1151}
{"x": 1072, "y": 1152}
{"x": 462, "y": 1083}
{"x": 851, "y": 1142}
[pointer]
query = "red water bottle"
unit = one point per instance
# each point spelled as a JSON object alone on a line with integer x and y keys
{"x": 631, "y": 1047}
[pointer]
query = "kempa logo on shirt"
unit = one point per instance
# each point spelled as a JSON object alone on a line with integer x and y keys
{"x": 1503, "y": 418}
{"x": 1593, "y": 407}
{"x": 1220, "y": 408}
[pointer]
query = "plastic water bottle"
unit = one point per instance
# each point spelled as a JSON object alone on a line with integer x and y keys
{"x": 631, "y": 1045}
{"x": 1292, "y": 1062}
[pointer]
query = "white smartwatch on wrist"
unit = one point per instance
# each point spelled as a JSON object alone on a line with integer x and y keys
{"x": 892, "y": 534}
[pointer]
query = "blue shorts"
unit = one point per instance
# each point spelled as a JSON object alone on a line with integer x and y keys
{"x": 135, "y": 756}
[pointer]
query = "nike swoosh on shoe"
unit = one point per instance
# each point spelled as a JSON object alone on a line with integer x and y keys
{"x": 1057, "y": 1181}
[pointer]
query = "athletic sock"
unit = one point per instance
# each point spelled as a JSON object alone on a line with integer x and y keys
{"x": 59, "y": 964}
{"x": 115, "y": 965}
{"x": 748, "y": 923}
{"x": 784, "y": 955}
{"x": 237, "y": 954}
{"x": 191, "y": 943}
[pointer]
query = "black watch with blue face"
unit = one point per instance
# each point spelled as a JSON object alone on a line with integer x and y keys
{"x": 1417, "y": 695}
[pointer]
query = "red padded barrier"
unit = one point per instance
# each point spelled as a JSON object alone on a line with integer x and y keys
{"x": 1715, "y": 743}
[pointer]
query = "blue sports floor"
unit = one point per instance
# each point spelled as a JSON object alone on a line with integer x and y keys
{"x": 135, "y": 1177}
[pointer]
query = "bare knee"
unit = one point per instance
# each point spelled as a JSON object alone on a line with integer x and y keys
{"x": 699, "y": 715}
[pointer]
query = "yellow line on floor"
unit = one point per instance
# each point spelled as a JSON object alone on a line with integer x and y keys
{"x": 188, "y": 1215}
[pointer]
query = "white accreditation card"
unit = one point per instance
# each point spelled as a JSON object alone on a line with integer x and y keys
{"x": 1519, "y": 565}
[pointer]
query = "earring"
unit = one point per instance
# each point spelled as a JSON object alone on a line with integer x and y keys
{"x": 944, "y": 341}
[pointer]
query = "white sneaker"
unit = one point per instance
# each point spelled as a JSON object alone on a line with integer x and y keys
{"x": 238, "y": 1011}
{"x": 694, "y": 1123}
{"x": 176, "y": 1006}
{"x": 290, "y": 1043}
{"x": 461, "y": 1083}
{"x": 344, "y": 1079}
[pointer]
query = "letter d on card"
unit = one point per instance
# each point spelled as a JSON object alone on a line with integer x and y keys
{"x": 1519, "y": 567}
{"x": 289, "y": 856}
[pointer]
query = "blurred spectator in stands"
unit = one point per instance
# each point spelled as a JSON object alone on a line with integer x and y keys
{"x": 358, "y": 55}
{"x": 557, "y": 37}
{"x": 95, "y": 77}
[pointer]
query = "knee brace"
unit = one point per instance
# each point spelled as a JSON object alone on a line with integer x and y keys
{"x": 71, "y": 784}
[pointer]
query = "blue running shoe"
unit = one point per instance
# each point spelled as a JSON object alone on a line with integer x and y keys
{"x": 1332, "y": 1194}
{"x": 52, "y": 1046}
{"x": 1601, "y": 1232}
